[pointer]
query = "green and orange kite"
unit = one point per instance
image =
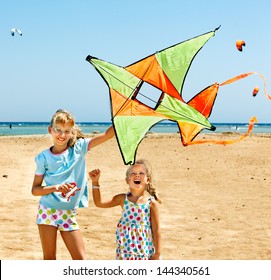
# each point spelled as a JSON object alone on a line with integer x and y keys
{"x": 166, "y": 71}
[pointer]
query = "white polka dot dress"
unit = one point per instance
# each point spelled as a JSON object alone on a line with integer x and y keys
{"x": 134, "y": 233}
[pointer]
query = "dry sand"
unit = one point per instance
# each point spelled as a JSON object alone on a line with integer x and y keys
{"x": 216, "y": 200}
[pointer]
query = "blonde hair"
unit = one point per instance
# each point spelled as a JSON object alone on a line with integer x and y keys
{"x": 150, "y": 188}
{"x": 63, "y": 117}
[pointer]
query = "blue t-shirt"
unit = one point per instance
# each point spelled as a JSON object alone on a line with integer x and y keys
{"x": 66, "y": 167}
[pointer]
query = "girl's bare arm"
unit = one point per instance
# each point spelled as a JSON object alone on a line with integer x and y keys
{"x": 102, "y": 137}
{"x": 155, "y": 223}
{"x": 116, "y": 200}
{"x": 39, "y": 190}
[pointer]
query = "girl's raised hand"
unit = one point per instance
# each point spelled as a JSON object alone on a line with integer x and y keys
{"x": 94, "y": 175}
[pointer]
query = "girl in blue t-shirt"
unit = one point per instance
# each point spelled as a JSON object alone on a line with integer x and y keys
{"x": 63, "y": 170}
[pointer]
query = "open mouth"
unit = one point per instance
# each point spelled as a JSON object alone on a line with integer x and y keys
{"x": 61, "y": 139}
{"x": 137, "y": 182}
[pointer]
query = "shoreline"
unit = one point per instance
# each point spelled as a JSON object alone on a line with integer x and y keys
{"x": 151, "y": 133}
{"x": 158, "y": 128}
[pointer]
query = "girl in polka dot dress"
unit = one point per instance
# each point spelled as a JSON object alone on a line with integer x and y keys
{"x": 62, "y": 168}
{"x": 138, "y": 231}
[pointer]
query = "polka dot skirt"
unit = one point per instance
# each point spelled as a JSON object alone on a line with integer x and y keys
{"x": 134, "y": 234}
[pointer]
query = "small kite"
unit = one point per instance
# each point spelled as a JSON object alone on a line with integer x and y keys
{"x": 255, "y": 91}
{"x": 16, "y": 30}
{"x": 165, "y": 71}
{"x": 240, "y": 44}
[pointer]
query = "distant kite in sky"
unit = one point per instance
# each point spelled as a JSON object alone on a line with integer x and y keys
{"x": 240, "y": 44}
{"x": 16, "y": 30}
{"x": 255, "y": 91}
{"x": 165, "y": 71}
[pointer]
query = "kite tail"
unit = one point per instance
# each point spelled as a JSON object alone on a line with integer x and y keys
{"x": 264, "y": 81}
{"x": 236, "y": 78}
{"x": 252, "y": 121}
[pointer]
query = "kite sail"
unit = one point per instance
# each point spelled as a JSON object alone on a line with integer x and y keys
{"x": 164, "y": 70}
{"x": 240, "y": 44}
{"x": 255, "y": 91}
{"x": 14, "y": 30}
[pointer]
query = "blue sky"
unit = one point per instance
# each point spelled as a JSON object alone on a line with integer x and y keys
{"x": 45, "y": 69}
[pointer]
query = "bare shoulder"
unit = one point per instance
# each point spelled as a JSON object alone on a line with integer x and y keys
{"x": 121, "y": 198}
{"x": 154, "y": 204}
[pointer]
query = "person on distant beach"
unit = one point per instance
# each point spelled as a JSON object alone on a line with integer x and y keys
{"x": 138, "y": 234}
{"x": 63, "y": 169}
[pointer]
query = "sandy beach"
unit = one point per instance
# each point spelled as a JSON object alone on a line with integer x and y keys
{"x": 216, "y": 200}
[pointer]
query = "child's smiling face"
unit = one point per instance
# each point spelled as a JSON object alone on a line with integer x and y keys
{"x": 61, "y": 133}
{"x": 137, "y": 179}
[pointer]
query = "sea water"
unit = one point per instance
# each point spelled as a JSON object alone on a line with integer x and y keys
{"x": 34, "y": 128}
